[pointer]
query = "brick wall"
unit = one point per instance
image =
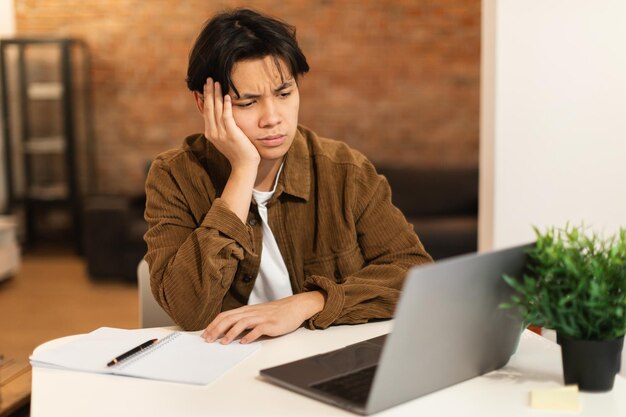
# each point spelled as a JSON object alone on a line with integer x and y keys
{"x": 396, "y": 79}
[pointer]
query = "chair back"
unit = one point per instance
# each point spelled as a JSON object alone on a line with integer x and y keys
{"x": 150, "y": 312}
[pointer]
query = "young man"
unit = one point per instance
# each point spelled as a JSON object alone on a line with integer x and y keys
{"x": 259, "y": 225}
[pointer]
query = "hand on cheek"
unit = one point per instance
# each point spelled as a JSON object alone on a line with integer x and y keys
{"x": 220, "y": 128}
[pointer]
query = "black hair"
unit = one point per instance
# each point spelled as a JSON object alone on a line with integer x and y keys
{"x": 236, "y": 35}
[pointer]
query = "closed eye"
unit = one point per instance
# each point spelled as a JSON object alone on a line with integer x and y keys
{"x": 285, "y": 94}
{"x": 244, "y": 105}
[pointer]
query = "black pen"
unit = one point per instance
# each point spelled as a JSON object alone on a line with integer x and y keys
{"x": 132, "y": 352}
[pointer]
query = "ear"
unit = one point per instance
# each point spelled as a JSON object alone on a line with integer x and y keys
{"x": 199, "y": 99}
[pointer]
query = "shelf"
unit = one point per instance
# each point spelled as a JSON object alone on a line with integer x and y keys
{"x": 45, "y": 145}
{"x": 46, "y": 124}
{"x": 45, "y": 91}
{"x": 49, "y": 192}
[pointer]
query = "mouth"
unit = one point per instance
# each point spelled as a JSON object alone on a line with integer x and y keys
{"x": 273, "y": 140}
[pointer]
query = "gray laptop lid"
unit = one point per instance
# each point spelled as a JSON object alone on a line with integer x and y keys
{"x": 448, "y": 327}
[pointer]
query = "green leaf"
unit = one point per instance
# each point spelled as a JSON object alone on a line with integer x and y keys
{"x": 576, "y": 282}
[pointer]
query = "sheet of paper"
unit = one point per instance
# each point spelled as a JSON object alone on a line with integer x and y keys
{"x": 185, "y": 358}
{"x": 188, "y": 358}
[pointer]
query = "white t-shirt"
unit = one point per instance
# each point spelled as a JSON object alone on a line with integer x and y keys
{"x": 272, "y": 283}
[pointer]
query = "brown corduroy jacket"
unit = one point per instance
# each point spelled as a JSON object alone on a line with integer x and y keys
{"x": 331, "y": 215}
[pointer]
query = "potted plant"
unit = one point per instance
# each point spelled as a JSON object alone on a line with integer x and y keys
{"x": 575, "y": 283}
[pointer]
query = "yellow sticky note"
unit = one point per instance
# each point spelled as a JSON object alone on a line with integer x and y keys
{"x": 563, "y": 398}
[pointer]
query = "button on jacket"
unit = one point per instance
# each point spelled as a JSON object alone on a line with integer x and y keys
{"x": 331, "y": 216}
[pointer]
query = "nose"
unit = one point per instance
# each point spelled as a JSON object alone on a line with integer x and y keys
{"x": 270, "y": 115}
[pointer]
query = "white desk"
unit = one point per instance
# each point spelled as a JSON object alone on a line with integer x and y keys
{"x": 240, "y": 392}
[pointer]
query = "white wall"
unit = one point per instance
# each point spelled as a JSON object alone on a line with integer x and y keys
{"x": 553, "y": 117}
{"x": 7, "y": 18}
{"x": 7, "y": 28}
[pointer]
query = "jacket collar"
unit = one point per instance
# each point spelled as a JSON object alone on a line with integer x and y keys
{"x": 296, "y": 176}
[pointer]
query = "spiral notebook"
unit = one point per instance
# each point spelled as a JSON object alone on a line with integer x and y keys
{"x": 182, "y": 357}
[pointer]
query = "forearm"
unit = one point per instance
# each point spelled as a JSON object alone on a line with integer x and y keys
{"x": 369, "y": 293}
{"x": 190, "y": 282}
{"x": 311, "y": 303}
{"x": 237, "y": 193}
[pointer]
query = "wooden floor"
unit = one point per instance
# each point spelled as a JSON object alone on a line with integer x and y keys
{"x": 51, "y": 296}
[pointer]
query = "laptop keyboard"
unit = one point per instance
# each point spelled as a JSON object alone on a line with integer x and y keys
{"x": 354, "y": 387}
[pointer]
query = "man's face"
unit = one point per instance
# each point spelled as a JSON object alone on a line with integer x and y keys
{"x": 267, "y": 107}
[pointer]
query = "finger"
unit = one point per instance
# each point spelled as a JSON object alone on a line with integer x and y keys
{"x": 238, "y": 328}
{"x": 229, "y": 121}
{"x": 228, "y": 107}
{"x": 253, "y": 335}
{"x": 218, "y": 106}
{"x": 207, "y": 331}
{"x": 220, "y": 325}
{"x": 213, "y": 330}
{"x": 209, "y": 110}
{"x": 224, "y": 315}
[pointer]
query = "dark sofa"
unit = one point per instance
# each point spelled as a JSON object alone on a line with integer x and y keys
{"x": 442, "y": 205}
{"x": 113, "y": 236}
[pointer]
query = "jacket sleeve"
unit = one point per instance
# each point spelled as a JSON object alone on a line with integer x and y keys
{"x": 389, "y": 247}
{"x": 192, "y": 261}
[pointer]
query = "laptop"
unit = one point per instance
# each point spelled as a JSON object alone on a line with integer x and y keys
{"x": 447, "y": 328}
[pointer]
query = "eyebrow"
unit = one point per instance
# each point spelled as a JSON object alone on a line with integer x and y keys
{"x": 281, "y": 87}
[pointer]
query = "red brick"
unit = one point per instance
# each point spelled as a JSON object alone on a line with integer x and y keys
{"x": 397, "y": 79}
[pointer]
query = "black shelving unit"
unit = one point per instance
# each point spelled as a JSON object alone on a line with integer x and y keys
{"x": 47, "y": 146}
